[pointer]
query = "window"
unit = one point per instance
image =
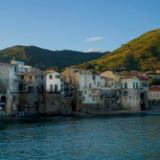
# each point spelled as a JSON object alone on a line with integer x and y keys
{"x": 125, "y": 85}
{"x": 22, "y": 77}
{"x": 50, "y": 77}
{"x": 125, "y": 93}
{"x": 51, "y": 88}
{"x": 57, "y": 76}
{"x": 15, "y": 69}
{"x": 56, "y": 87}
{"x": 30, "y": 78}
{"x": 134, "y": 86}
{"x": 30, "y": 89}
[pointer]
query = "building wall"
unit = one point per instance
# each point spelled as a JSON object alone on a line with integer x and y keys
{"x": 112, "y": 79}
{"x": 8, "y": 77}
{"x": 32, "y": 80}
{"x": 144, "y": 85}
{"x": 53, "y": 82}
{"x": 87, "y": 97}
{"x": 154, "y": 95}
{"x": 8, "y": 87}
{"x": 81, "y": 79}
{"x": 130, "y": 99}
{"x": 71, "y": 77}
{"x": 19, "y": 65}
{"x": 99, "y": 101}
{"x": 130, "y": 83}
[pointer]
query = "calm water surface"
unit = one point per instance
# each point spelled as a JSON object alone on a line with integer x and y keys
{"x": 119, "y": 138}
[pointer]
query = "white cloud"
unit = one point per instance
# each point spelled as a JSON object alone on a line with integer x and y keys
{"x": 93, "y": 50}
{"x": 94, "y": 39}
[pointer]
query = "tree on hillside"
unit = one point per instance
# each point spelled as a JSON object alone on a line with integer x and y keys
{"x": 129, "y": 62}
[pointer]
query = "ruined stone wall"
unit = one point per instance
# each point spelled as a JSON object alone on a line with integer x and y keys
{"x": 57, "y": 104}
{"x": 130, "y": 100}
{"x": 27, "y": 102}
{"x": 106, "y": 105}
{"x": 43, "y": 103}
{"x": 96, "y": 108}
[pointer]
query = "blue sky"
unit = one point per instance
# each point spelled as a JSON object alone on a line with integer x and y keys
{"x": 76, "y": 24}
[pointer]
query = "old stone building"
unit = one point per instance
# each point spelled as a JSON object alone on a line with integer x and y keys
{"x": 112, "y": 79}
{"x": 8, "y": 88}
{"x": 130, "y": 93}
{"x": 154, "y": 95}
{"x": 90, "y": 91}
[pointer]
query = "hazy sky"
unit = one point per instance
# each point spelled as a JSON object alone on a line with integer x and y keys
{"x": 76, "y": 24}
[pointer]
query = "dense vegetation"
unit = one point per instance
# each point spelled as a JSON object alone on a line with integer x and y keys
{"x": 44, "y": 58}
{"x": 142, "y": 53}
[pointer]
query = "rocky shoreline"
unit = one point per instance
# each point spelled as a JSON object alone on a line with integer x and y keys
{"x": 44, "y": 118}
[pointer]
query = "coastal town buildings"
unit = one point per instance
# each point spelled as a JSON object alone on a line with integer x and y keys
{"x": 25, "y": 90}
{"x": 92, "y": 90}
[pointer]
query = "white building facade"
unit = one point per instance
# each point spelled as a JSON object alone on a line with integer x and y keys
{"x": 53, "y": 81}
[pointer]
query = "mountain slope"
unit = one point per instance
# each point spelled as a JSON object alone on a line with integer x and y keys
{"x": 46, "y": 58}
{"x": 142, "y": 53}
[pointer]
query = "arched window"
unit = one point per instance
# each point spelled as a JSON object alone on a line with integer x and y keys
{"x": 3, "y": 99}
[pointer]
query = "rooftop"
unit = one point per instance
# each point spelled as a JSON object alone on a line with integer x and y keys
{"x": 155, "y": 88}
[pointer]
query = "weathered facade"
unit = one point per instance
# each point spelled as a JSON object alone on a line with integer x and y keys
{"x": 154, "y": 96}
{"x": 8, "y": 88}
{"x": 130, "y": 94}
{"x": 25, "y": 90}
{"x": 91, "y": 92}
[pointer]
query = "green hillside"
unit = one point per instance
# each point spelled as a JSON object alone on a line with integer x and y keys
{"x": 142, "y": 53}
{"x": 46, "y": 58}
